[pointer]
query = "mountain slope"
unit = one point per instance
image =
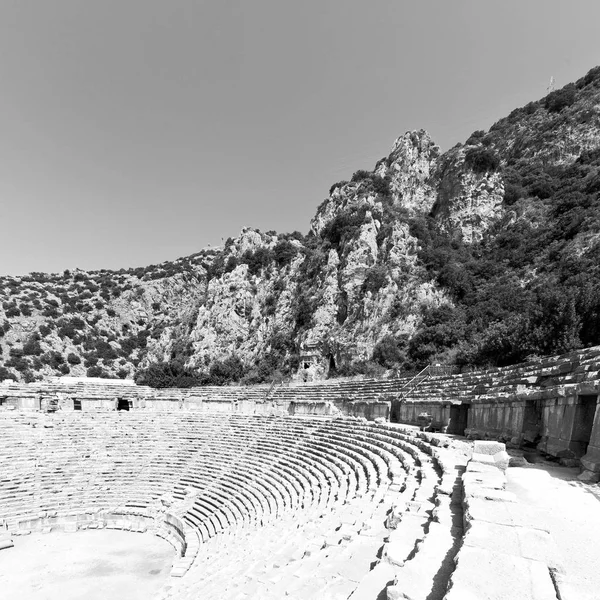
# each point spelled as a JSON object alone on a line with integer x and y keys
{"x": 484, "y": 254}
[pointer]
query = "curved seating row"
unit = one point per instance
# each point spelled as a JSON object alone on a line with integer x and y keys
{"x": 208, "y": 481}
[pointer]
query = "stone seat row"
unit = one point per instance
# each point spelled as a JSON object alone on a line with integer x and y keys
{"x": 251, "y": 470}
{"x": 53, "y": 482}
{"x": 316, "y": 572}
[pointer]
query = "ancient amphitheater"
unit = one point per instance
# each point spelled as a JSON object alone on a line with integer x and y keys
{"x": 324, "y": 490}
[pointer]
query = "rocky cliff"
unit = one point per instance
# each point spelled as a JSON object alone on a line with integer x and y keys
{"x": 451, "y": 256}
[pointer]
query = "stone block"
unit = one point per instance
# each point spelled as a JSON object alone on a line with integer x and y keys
{"x": 489, "y": 448}
{"x": 589, "y": 476}
{"x": 493, "y": 479}
{"x": 525, "y": 542}
{"x": 485, "y": 574}
{"x": 514, "y": 514}
{"x": 491, "y": 453}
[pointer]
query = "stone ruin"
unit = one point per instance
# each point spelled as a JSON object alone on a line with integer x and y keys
{"x": 306, "y": 491}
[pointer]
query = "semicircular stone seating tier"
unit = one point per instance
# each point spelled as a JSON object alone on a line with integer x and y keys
{"x": 256, "y": 506}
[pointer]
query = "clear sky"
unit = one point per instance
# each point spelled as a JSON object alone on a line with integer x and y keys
{"x": 137, "y": 131}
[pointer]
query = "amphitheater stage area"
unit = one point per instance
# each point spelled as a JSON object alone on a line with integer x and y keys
{"x": 95, "y": 565}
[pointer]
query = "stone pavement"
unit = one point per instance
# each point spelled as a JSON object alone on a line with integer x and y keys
{"x": 571, "y": 512}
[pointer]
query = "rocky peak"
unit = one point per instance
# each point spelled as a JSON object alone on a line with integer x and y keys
{"x": 469, "y": 197}
{"x": 408, "y": 168}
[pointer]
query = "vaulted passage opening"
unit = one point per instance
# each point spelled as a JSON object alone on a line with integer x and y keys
{"x": 459, "y": 418}
{"x": 122, "y": 404}
{"x": 532, "y": 422}
{"x": 584, "y": 421}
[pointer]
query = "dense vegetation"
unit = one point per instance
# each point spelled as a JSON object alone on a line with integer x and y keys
{"x": 531, "y": 286}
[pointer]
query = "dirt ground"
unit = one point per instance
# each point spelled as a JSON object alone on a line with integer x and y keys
{"x": 90, "y": 565}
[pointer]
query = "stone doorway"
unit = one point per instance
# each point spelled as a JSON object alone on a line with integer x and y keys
{"x": 532, "y": 422}
{"x": 122, "y": 404}
{"x": 459, "y": 418}
{"x": 585, "y": 410}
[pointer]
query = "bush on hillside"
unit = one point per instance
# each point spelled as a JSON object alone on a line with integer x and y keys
{"x": 167, "y": 374}
{"x": 73, "y": 359}
{"x": 482, "y": 160}
{"x": 97, "y": 371}
{"x": 360, "y": 175}
{"x": 375, "y": 279}
{"x": 337, "y": 185}
{"x": 344, "y": 226}
{"x": 284, "y": 252}
{"x": 560, "y": 99}
{"x": 388, "y": 353}
{"x": 32, "y": 347}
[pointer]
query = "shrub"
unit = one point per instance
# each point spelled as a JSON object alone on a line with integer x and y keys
{"x": 336, "y": 185}
{"x": 28, "y": 376}
{"x": 556, "y": 101}
{"x": 303, "y": 310}
{"x": 73, "y": 359}
{"x": 376, "y": 279}
{"x": 97, "y": 372}
{"x": 360, "y": 175}
{"x": 32, "y": 347}
{"x": 270, "y": 305}
{"x": 226, "y": 371}
{"x": 360, "y": 367}
{"x": 257, "y": 260}
{"x": 542, "y": 188}
{"x": 475, "y": 137}
{"x": 387, "y": 352}
{"x": 482, "y": 160}
{"x": 53, "y": 359}
{"x": 343, "y": 226}
{"x": 15, "y": 352}
{"x": 513, "y": 192}
{"x": 90, "y": 360}
{"x": 13, "y": 311}
{"x": 381, "y": 185}
{"x": 284, "y": 252}
{"x": 167, "y": 374}
{"x": 19, "y": 363}
{"x": 7, "y": 374}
